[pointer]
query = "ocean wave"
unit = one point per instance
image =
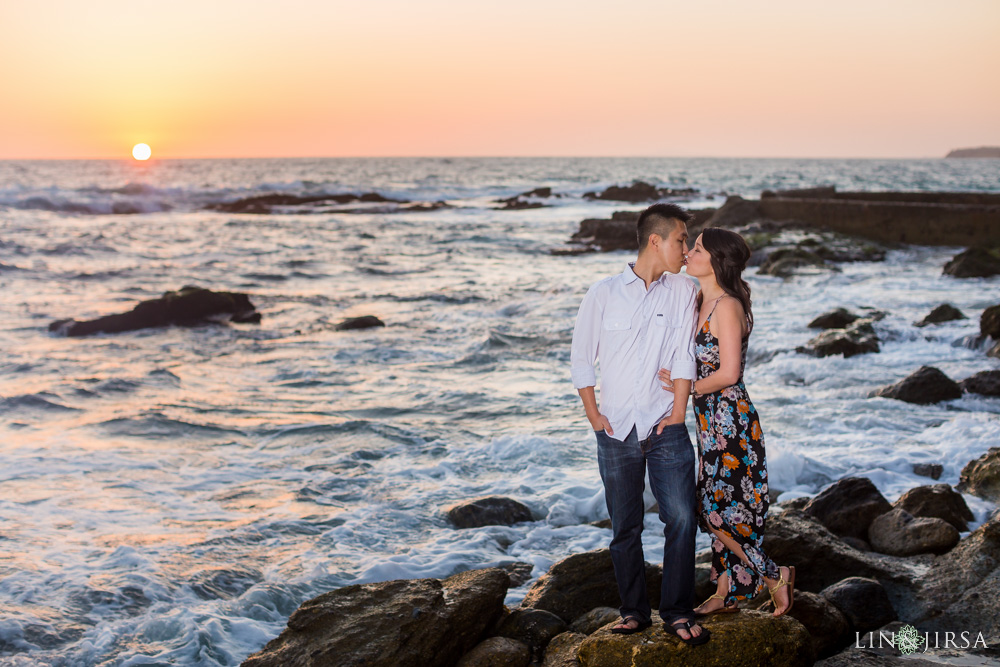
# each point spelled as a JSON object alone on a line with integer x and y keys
{"x": 34, "y": 402}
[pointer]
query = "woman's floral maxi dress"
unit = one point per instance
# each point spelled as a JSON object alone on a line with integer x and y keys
{"x": 732, "y": 474}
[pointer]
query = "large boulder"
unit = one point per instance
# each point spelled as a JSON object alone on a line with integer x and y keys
{"x": 736, "y": 212}
{"x": 982, "y": 476}
{"x": 355, "y": 323}
{"x": 838, "y": 318}
{"x": 497, "y": 652}
{"x": 638, "y": 191}
{"x": 899, "y": 533}
{"x": 594, "y": 620}
{"x": 938, "y": 501}
{"x": 826, "y": 624}
{"x": 943, "y": 313}
{"x": 863, "y": 602}
{"x": 783, "y": 262}
{"x": 857, "y": 338}
{"x": 932, "y": 470}
{"x": 986, "y": 383}
{"x": 562, "y": 650}
{"x": 534, "y": 627}
{"x": 975, "y": 262}
{"x": 748, "y": 639}
{"x": 188, "y": 306}
{"x": 924, "y": 386}
{"x": 401, "y": 622}
{"x": 848, "y": 506}
{"x": 580, "y": 582}
{"x": 618, "y": 233}
{"x": 489, "y": 511}
{"x": 989, "y": 322}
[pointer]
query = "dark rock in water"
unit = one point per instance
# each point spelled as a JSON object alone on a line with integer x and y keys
{"x": 618, "y": 233}
{"x": 639, "y": 191}
{"x": 932, "y": 470}
{"x": 563, "y": 649}
{"x": 363, "y": 322}
{"x": 976, "y": 262}
{"x": 496, "y": 652}
{"x": 938, "y": 501}
{"x": 848, "y": 506}
{"x": 943, "y": 313}
{"x": 826, "y": 624}
{"x": 264, "y": 204}
{"x": 820, "y": 192}
{"x": 517, "y": 202}
{"x": 578, "y": 583}
{"x": 489, "y": 511}
{"x": 899, "y": 533}
{"x": 783, "y": 262}
{"x": 982, "y": 477}
{"x": 736, "y": 212}
{"x": 834, "y": 319}
{"x": 189, "y": 306}
{"x": 534, "y": 627}
{"x": 989, "y": 322}
{"x": 392, "y": 623}
{"x": 986, "y": 383}
{"x": 749, "y": 638}
{"x": 925, "y": 386}
{"x": 857, "y": 338}
{"x": 594, "y": 620}
{"x": 863, "y": 602}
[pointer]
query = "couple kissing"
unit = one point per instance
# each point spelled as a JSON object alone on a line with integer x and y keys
{"x": 658, "y": 340}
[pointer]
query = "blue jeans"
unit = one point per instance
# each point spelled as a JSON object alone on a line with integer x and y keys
{"x": 671, "y": 460}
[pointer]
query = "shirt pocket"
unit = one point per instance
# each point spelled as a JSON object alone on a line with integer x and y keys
{"x": 616, "y": 320}
{"x": 663, "y": 320}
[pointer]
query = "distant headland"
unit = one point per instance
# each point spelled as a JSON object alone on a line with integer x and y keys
{"x": 982, "y": 151}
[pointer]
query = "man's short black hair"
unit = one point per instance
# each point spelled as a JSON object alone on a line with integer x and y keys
{"x": 659, "y": 219}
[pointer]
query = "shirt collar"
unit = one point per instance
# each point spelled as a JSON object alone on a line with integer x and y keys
{"x": 629, "y": 275}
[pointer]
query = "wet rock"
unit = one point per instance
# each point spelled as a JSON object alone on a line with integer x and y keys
{"x": 736, "y": 212}
{"x": 639, "y": 191}
{"x": 562, "y": 650}
{"x": 497, "y": 652}
{"x": 519, "y": 572}
{"x": 522, "y": 201}
{"x": 783, "y": 262}
{"x": 943, "y": 313}
{"x": 402, "y": 622}
{"x": 363, "y": 322}
{"x": 489, "y": 511}
{"x": 749, "y": 639}
{"x": 976, "y": 262}
{"x": 994, "y": 351}
{"x": 188, "y": 306}
{"x": 863, "y": 602}
{"x": 594, "y": 619}
{"x": 848, "y": 506}
{"x": 580, "y": 582}
{"x": 982, "y": 477}
{"x": 618, "y": 233}
{"x": 938, "y": 501}
{"x": 989, "y": 322}
{"x": 986, "y": 383}
{"x": 925, "y": 386}
{"x": 826, "y": 624}
{"x": 864, "y": 657}
{"x": 534, "y": 627}
{"x": 857, "y": 338}
{"x": 265, "y": 204}
{"x": 899, "y": 533}
{"x": 932, "y": 470}
{"x": 834, "y": 319}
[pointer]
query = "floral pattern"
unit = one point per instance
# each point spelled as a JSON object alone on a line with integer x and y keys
{"x": 732, "y": 475}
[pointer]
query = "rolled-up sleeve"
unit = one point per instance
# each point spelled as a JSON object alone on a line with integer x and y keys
{"x": 683, "y": 365}
{"x": 586, "y": 336}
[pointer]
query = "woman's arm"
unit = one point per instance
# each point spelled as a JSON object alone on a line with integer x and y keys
{"x": 727, "y": 325}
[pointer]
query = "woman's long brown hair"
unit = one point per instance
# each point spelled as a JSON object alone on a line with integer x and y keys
{"x": 729, "y": 254}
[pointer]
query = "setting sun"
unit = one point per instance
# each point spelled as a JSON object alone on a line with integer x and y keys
{"x": 141, "y": 151}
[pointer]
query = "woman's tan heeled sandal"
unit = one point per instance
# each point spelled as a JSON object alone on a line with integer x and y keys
{"x": 724, "y": 609}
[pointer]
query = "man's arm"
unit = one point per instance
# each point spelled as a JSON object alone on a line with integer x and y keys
{"x": 583, "y": 357}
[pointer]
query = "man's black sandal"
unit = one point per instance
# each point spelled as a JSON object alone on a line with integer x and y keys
{"x": 642, "y": 625}
{"x": 687, "y": 625}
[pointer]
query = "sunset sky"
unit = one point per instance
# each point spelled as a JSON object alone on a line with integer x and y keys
{"x": 215, "y": 78}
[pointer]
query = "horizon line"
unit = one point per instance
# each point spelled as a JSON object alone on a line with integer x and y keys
{"x": 154, "y": 159}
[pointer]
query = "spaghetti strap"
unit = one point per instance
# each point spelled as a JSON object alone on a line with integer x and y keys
{"x": 715, "y": 306}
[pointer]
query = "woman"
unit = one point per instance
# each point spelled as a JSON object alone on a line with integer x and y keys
{"x": 732, "y": 473}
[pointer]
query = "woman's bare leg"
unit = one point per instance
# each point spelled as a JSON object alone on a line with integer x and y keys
{"x": 781, "y": 595}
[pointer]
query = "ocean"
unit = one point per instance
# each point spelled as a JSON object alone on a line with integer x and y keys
{"x": 170, "y": 496}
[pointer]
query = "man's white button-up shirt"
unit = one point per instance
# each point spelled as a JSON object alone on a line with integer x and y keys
{"x": 635, "y": 332}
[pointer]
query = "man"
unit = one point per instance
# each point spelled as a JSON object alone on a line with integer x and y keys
{"x": 635, "y": 323}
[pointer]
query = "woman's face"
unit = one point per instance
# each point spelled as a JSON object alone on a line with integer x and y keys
{"x": 699, "y": 262}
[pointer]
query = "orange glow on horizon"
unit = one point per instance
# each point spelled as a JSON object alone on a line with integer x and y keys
{"x": 227, "y": 79}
